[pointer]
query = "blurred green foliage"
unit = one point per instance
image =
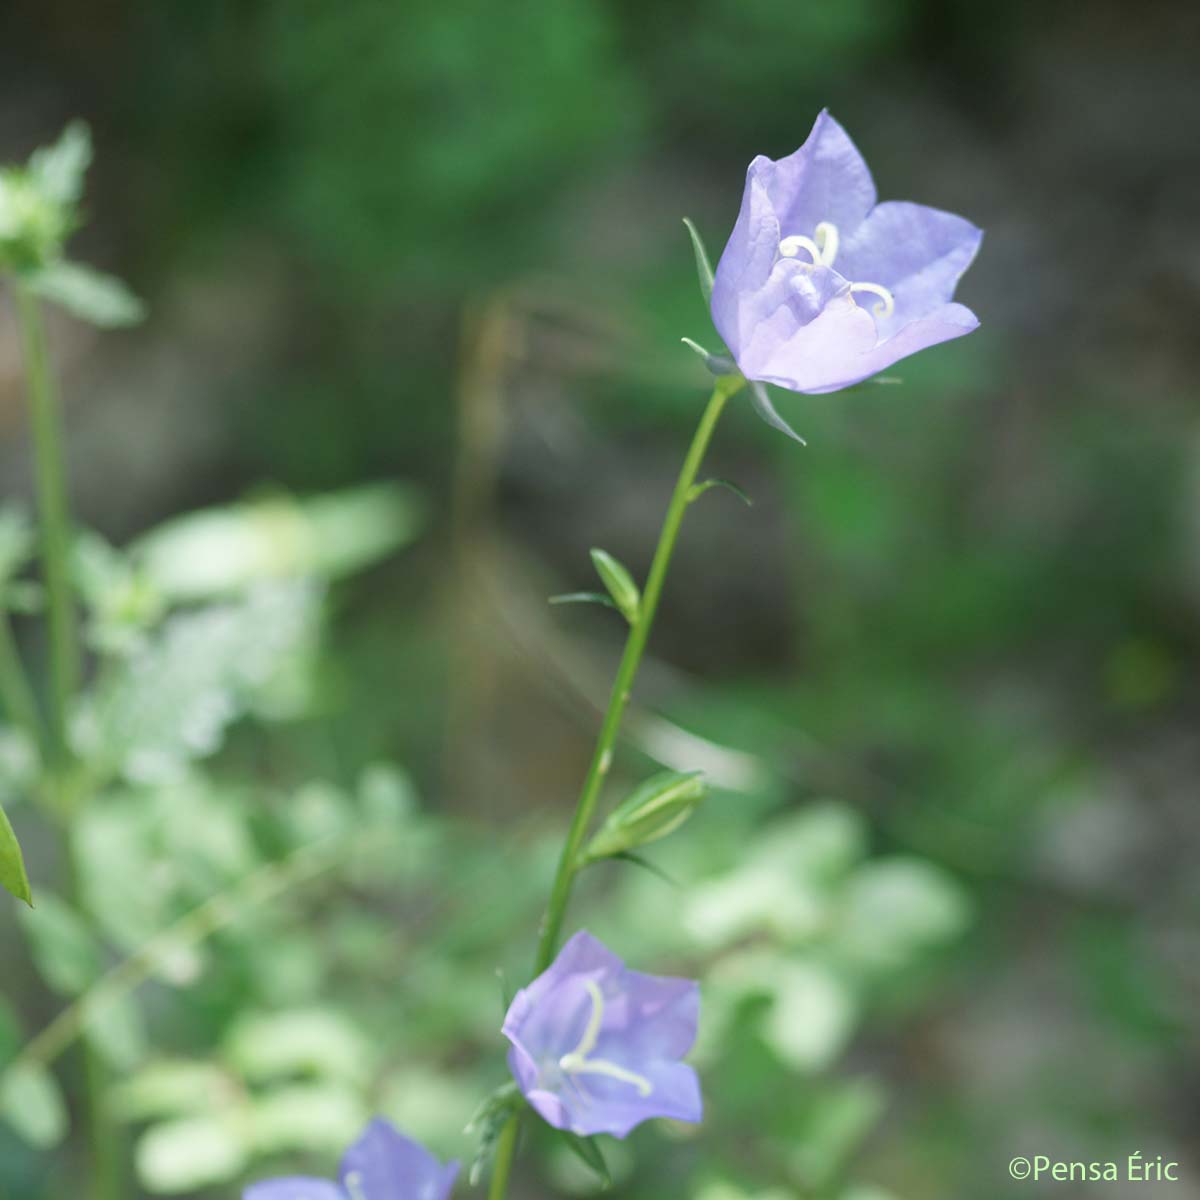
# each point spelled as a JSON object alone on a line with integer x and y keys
{"x": 965, "y": 613}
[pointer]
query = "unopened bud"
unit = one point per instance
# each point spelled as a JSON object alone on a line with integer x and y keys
{"x": 653, "y": 810}
{"x": 619, "y": 583}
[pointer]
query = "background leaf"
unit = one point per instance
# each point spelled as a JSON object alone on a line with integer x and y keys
{"x": 88, "y": 294}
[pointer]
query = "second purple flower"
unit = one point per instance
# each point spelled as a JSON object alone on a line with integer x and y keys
{"x": 596, "y": 1047}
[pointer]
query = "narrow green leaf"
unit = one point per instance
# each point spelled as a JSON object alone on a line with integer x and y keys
{"x": 646, "y": 865}
{"x": 616, "y": 578}
{"x": 12, "y": 863}
{"x": 92, "y": 296}
{"x": 704, "y": 271}
{"x": 583, "y": 598}
{"x": 589, "y": 1153}
{"x": 699, "y": 489}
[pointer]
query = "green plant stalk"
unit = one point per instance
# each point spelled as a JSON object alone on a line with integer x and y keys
{"x": 631, "y": 659}
{"x": 506, "y": 1150}
{"x": 105, "y": 1167}
{"x": 15, "y": 693}
{"x": 46, "y": 424}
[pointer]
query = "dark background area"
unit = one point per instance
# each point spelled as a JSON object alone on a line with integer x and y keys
{"x": 441, "y": 243}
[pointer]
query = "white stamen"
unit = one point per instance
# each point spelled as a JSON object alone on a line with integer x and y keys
{"x": 791, "y": 246}
{"x": 822, "y": 248}
{"x": 574, "y": 1065}
{"x": 887, "y": 304}
{"x": 577, "y": 1061}
{"x": 354, "y": 1186}
{"x": 826, "y": 235}
{"x": 587, "y": 1043}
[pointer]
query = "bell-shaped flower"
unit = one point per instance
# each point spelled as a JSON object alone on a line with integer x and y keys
{"x": 382, "y": 1165}
{"x": 819, "y": 286}
{"x": 596, "y": 1047}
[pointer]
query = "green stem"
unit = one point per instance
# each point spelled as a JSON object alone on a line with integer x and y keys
{"x": 55, "y": 521}
{"x": 635, "y": 644}
{"x": 585, "y": 809}
{"x": 105, "y": 1165}
{"x": 15, "y": 692}
{"x": 506, "y": 1150}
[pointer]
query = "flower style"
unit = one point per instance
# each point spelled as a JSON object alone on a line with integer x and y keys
{"x": 596, "y": 1046}
{"x": 382, "y": 1165}
{"x": 819, "y": 286}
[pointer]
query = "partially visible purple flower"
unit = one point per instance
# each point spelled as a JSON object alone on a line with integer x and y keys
{"x": 596, "y": 1047}
{"x": 819, "y": 286}
{"x": 382, "y": 1165}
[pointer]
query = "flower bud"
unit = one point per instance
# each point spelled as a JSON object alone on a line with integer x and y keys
{"x": 619, "y": 583}
{"x": 656, "y": 808}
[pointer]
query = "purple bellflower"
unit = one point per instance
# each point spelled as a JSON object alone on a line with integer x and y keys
{"x": 596, "y": 1047}
{"x": 382, "y": 1165}
{"x": 820, "y": 287}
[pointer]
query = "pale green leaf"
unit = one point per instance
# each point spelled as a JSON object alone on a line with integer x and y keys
{"x": 57, "y": 171}
{"x": 308, "y": 1041}
{"x": 898, "y": 908}
{"x": 32, "y": 1103}
{"x": 304, "y": 1117}
{"x": 172, "y": 1088}
{"x": 193, "y": 1152}
{"x": 221, "y": 552}
{"x": 172, "y": 699}
{"x": 64, "y": 951}
{"x": 88, "y": 294}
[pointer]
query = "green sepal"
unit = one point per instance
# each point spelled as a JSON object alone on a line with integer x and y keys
{"x": 588, "y": 1151}
{"x": 720, "y": 365}
{"x": 765, "y": 409}
{"x": 704, "y": 271}
{"x": 617, "y": 579}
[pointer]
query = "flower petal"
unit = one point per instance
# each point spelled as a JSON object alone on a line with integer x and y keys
{"x": 747, "y": 259}
{"x": 918, "y": 253}
{"x": 819, "y": 356}
{"x": 549, "y": 1016}
{"x": 654, "y": 1017}
{"x": 294, "y": 1187}
{"x": 827, "y": 179}
{"x": 387, "y": 1164}
{"x": 793, "y": 297}
{"x": 838, "y": 350}
{"x": 595, "y": 1104}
